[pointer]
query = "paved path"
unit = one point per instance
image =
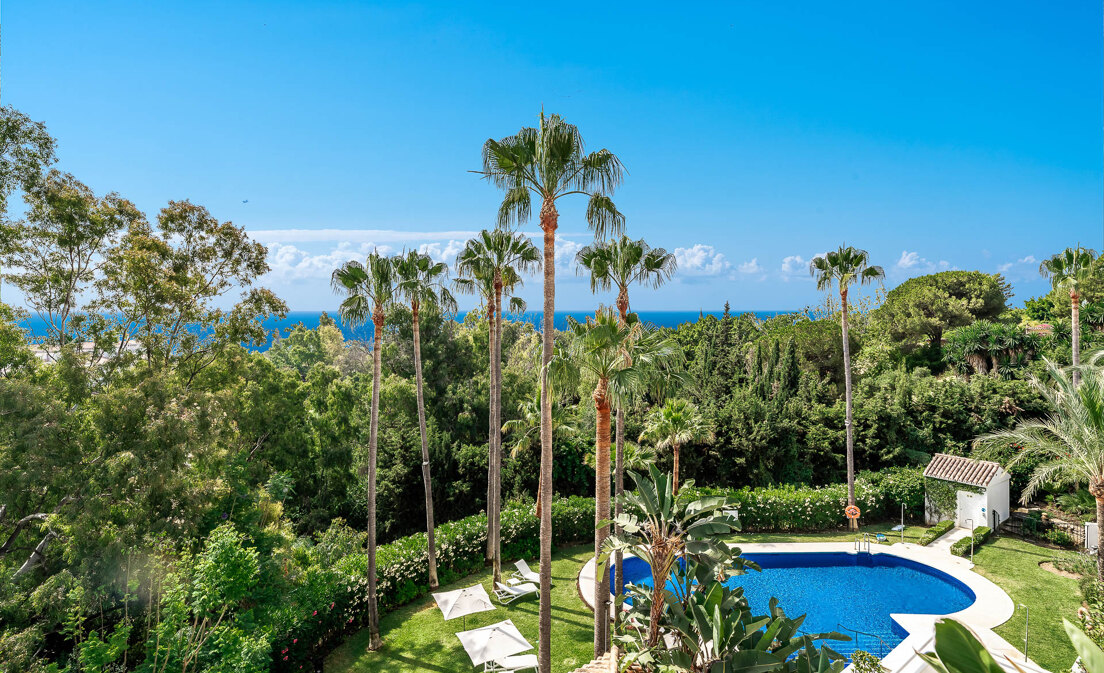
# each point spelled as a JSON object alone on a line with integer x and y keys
{"x": 952, "y": 536}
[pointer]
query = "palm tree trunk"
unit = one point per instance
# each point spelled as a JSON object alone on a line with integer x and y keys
{"x": 601, "y": 514}
{"x": 548, "y": 221}
{"x": 1075, "y": 318}
{"x": 619, "y": 474}
{"x": 1096, "y": 489}
{"x": 373, "y": 435}
{"x": 496, "y": 434}
{"x": 489, "y": 556}
{"x": 674, "y": 476}
{"x": 426, "y": 477}
{"x": 853, "y": 523}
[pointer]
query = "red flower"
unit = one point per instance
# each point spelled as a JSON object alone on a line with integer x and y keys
{"x": 294, "y": 641}
{"x": 285, "y": 658}
{"x": 331, "y": 605}
{"x": 314, "y": 613}
{"x": 284, "y": 651}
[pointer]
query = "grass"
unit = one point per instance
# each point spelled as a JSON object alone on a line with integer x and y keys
{"x": 416, "y": 638}
{"x": 1013, "y": 565}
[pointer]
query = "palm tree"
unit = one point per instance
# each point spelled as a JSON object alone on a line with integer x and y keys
{"x": 660, "y": 527}
{"x": 675, "y": 423}
{"x": 1068, "y": 445}
{"x": 550, "y": 162}
{"x": 843, "y": 267}
{"x": 422, "y": 283}
{"x": 524, "y": 431}
{"x": 600, "y": 347}
{"x": 370, "y": 291}
{"x": 1067, "y": 271}
{"x": 492, "y": 263}
{"x": 618, "y": 264}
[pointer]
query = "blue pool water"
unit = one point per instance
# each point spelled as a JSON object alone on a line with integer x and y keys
{"x": 842, "y": 592}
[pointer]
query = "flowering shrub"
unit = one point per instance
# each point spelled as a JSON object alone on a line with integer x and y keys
{"x": 802, "y": 508}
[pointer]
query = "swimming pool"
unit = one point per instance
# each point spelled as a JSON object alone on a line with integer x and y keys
{"x": 842, "y": 592}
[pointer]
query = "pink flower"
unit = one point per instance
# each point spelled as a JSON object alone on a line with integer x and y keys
{"x": 314, "y": 613}
{"x": 294, "y": 641}
{"x": 284, "y": 651}
{"x": 331, "y": 605}
{"x": 285, "y": 658}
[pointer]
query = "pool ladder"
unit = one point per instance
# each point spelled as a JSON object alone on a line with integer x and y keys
{"x": 862, "y": 543}
{"x": 881, "y": 652}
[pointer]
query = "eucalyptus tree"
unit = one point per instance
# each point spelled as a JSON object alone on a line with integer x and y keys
{"x": 618, "y": 264}
{"x": 841, "y": 268}
{"x": 490, "y": 264}
{"x": 370, "y": 292}
{"x": 550, "y": 162}
{"x": 422, "y": 283}
{"x": 600, "y": 348}
{"x": 1068, "y": 271}
{"x": 675, "y": 423}
{"x": 26, "y": 149}
{"x": 1067, "y": 446}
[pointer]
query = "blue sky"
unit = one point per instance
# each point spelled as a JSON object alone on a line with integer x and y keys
{"x": 935, "y": 135}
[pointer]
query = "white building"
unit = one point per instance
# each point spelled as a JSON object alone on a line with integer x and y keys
{"x": 979, "y": 488}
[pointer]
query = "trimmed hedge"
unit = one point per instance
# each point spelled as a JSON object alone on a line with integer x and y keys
{"x": 980, "y": 536}
{"x": 935, "y": 532}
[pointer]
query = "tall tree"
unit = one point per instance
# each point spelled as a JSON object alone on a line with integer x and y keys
{"x": 422, "y": 283}
{"x": 674, "y": 424}
{"x": 550, "y": 162}
{"x": 841, "y": 268}
{"x": 618, "y": 264}
{"x": 370, "y": 291}
{"x": 26, "y": 149}
{"x": 600, "y": 348}
{"x": 1067, "y": 271}
{"x": 498, "y": 258}
{"x": 1067, "y": 446}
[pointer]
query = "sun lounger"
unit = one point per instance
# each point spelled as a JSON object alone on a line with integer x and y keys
{"x": 514, "y": 664}
{"x": 525, "y": 573}
{"x": 508, "y": 594}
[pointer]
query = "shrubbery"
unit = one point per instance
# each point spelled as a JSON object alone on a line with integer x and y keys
{"x": 808, "y": 508}
{"x": 936, "y": 532}
{"x": 980, "y": 536}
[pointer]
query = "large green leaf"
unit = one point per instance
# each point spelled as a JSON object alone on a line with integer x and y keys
{"x": 1091, "y": 656}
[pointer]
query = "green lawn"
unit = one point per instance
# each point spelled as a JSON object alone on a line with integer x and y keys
{"x": 1014, "y": 566}
{"x": 416, "y": 638}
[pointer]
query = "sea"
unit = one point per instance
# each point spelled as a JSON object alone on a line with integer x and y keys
{"x": 310, "y": 319}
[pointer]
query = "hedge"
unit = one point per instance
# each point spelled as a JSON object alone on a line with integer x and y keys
{"x": 935, "y": 532}
{"x": 327, "y": 598}
{"x": 980, "y": 535}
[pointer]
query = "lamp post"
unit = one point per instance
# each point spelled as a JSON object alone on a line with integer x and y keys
{"x": 1027, "y": 626}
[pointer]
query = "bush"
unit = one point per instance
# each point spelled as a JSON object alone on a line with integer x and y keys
{"x": 1058, "y": 537}
{"x": 899, "y": 486}
{"x": 865, "y": 662}
{"x": 935, "y": 532}
{"x": 980, "y": 536}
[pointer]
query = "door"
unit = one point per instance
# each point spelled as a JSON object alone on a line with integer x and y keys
{"x": 970, "y": 506}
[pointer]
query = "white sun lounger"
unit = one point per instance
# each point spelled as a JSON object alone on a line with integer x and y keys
{"x": 508, "y": 594}
{"x": 514, "y": 664}
{"x": 525, "y": 573}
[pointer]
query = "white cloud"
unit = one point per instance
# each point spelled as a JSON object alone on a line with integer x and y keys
{"x": 289, "y": 263}
{"x": 1025, "y": 266}
{"x": 912, "y": 261}
{"x": 793, "y": 265}
{"x": 751, "y": 267}
{"x": 442, "y": 253}
{"x": 269, "y": 236}
{"x": 701, "y": 260}
{"x": 565, "y": 253}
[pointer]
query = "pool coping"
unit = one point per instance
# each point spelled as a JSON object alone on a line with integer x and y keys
{"x": 991, "y": 607}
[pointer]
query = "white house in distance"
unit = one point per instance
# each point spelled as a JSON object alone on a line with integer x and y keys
{"x": 972, "y": 491}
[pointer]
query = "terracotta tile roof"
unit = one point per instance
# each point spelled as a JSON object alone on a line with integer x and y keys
{"x": 962, "y": 470}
